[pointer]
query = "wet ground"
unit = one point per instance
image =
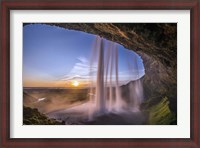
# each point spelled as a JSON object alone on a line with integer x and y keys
{"x": 79, "y": 116}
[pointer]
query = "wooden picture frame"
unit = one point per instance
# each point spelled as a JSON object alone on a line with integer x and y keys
{"x": 7, "y": 6}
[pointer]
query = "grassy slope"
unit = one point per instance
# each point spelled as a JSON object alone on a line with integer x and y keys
{"x": 160, "y": 113}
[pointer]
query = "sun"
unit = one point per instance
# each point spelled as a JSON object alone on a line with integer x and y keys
{"x": 75, "y": 83}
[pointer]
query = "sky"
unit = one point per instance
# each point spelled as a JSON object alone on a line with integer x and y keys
{"x": 55, "y": 57}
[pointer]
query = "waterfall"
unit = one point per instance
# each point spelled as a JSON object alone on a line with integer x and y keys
{"x": 135, "y": 87}
{"x": 100, "y": 97}
{"x": 106, "y": 92}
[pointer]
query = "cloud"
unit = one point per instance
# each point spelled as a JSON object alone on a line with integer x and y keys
{"x": 81, "y": 70}
{"x": 83, "y": 60}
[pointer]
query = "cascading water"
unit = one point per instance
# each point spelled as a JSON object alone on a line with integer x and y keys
{"x": 100, "y": 98}
{"x": 107, "y": 88}
{"x": 135, "y": 87}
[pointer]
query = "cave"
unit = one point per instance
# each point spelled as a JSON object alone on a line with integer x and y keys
{"x": 156, "y": 43}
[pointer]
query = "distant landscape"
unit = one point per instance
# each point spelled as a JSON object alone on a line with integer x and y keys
{"x": 51, "y": 99}
{"x": 46, "y": 100}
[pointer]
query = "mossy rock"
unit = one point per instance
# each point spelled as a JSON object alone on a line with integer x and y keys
{"x": 160, "y": 114}
{"x": 34, "y": 117}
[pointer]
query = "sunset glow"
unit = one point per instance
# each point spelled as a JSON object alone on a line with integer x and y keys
{"x": 75, "y": 83}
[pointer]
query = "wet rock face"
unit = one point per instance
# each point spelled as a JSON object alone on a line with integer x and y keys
{"x": 159, "y": 82}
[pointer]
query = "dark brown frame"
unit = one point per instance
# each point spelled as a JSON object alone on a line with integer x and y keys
{"x": 6, "y": 6}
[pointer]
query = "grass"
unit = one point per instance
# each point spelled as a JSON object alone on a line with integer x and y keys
{"x": 160, "y": 114}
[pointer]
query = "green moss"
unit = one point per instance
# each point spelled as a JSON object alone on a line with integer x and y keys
{"x": 34, "y": 117}
{"x": 160, "y": 114}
